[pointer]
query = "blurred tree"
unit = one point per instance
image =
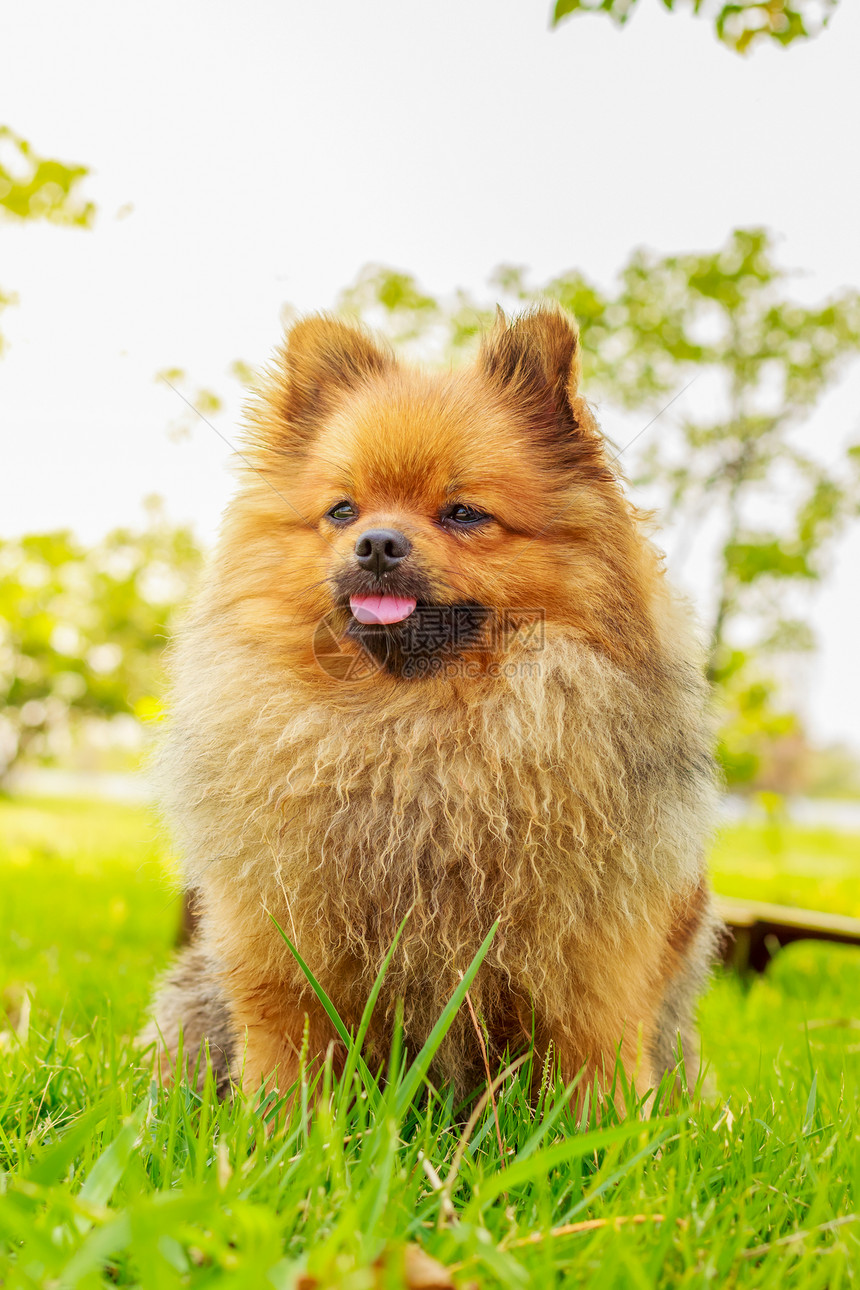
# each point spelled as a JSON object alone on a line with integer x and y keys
{"x": 738, "y": 465}
{"x": 194, "y": 406}
{"x": 392, "y": 302}
{"x": 202, "y": 403}
{"x": 34, "y": 187}
{"x": 722, "y": 317}
{"x": 82, "y": 630}
{"x": 739, "y": 24}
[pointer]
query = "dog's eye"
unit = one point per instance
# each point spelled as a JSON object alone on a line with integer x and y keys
{"x": 463, "y": 515}
{"x": 343, "y": 512}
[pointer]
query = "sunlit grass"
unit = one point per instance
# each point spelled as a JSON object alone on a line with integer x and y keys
{"x": 109, "y": 1181}
{"x": 789, "y": 864}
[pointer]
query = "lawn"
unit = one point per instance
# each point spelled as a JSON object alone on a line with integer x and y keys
{"x": 107, "y": 1181}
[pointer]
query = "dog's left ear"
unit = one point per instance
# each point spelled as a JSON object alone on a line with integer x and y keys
{"x": 534, "y": 364}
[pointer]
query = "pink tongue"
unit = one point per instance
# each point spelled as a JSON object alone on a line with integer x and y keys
{"x": 381, "y": 609}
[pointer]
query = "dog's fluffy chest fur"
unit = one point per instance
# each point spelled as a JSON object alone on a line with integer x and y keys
{"x": 542, "y": 799}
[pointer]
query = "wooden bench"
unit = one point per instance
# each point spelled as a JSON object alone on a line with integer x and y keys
{"x": 758, "y": 930}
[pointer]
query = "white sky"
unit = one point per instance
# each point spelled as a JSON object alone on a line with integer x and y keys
{"x": 269, "y": 150}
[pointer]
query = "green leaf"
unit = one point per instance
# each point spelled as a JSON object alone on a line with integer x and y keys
{"x": 563, "y": 8}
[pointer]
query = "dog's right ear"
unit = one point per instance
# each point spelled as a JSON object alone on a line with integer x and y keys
{"x": 322, "y": 359}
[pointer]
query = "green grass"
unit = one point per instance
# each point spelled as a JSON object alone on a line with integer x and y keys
{"x": 814, "y": 868}
{"x": 108, "y": 1181}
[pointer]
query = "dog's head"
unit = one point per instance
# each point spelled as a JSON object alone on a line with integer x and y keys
{"x": 426, "y": 516}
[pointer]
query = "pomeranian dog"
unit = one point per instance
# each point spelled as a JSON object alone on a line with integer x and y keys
{"x": 435, "y": 673}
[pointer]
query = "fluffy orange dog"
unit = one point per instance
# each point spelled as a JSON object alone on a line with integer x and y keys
{"x": 436, "y": 667}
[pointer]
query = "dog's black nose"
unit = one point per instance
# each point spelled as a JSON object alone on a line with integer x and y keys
{"x": 381, "y": 550}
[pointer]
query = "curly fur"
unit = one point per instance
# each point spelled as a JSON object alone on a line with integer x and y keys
{"x": 565, "y": 791}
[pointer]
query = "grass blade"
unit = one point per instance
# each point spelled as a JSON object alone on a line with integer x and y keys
{"x": 355, "y": 1047}
{"x": 111, "y": 1164}
{"x": 52, "y": 1165}
{"x": 331, "y": 1010}
{"x": 417, "y": 1071}
{"x": 541, "y": 1162}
